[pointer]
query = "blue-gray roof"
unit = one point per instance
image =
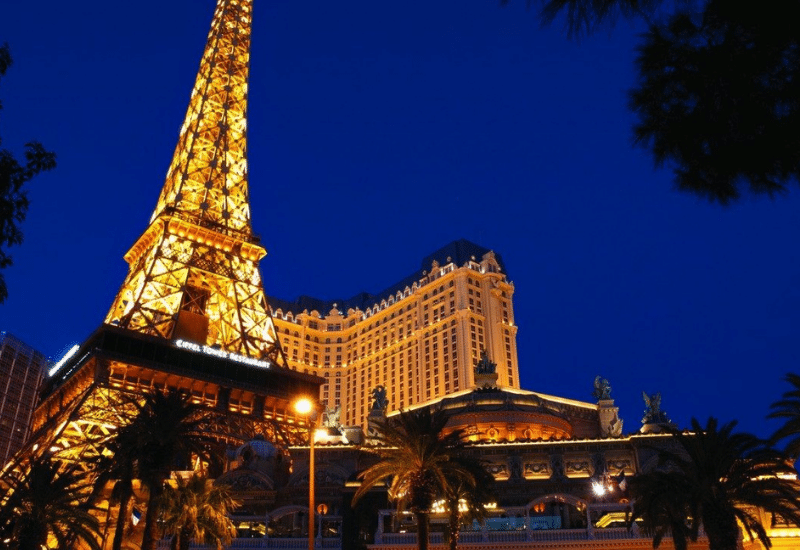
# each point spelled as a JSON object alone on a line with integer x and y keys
{"x": 458, "y": 252}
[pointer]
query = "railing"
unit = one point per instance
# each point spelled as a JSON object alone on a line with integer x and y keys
{"x": 263, "y": 543}
{"x": 410, "y": 539}
{"x": 615, "y": 533}
{"x": 519, "y": 535}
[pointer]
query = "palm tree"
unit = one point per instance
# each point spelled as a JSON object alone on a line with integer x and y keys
{"x": 788, "y": 408}
{"x": 421, "y": 461}
{"x": 195, "y": 509}
{"x": 715, "y": 480}
{"x": 120, "y": 468}
{"x": 166, "y": 429}
{"x": 474, "y": 490}
{"x": 663, "y": 503}
{"x": 46, "y": 499}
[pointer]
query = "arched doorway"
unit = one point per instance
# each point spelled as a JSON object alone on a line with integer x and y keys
{"x": 556, "y": 511}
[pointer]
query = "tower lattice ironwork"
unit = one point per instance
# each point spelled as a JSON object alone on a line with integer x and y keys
{"x": 191, "y": 314}
{"x": 194, "y": 271}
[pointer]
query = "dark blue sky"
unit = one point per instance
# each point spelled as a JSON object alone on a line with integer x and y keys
{"x": 379, "y": 132}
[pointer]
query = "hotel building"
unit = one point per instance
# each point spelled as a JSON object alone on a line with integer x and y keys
{"x": 192, "y": 316}
{"x": 420, "y": 338}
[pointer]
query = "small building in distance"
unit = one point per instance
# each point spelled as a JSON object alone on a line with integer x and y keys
{"x": 22, "y": 369}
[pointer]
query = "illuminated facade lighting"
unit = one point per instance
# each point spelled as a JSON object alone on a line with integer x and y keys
{"x": 193, "y": 273}
{"x": 420, "y": 339}
{"x": 67, "y": 356}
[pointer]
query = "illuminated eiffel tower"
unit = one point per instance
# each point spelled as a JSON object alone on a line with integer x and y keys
{"x": 191, "y": 314}
{"x": 194, "y": 272}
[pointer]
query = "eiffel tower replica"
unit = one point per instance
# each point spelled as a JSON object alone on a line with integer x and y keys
{"x": 191, "y": 314}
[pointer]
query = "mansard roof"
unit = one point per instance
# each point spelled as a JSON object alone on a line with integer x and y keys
{"x": 457, "y": 252}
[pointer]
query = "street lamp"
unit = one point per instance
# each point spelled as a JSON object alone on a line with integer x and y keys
{"x": 306, "y": 407}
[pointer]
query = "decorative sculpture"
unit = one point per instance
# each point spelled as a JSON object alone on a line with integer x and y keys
{"x": 330, "y": 418}
{"x": 653, "y": 413}
{"x": 614, "y": 427}
{"x": 485, "y": 365}
{"x": 602, "y": 389}
{"x": 380, "y": 403}
{"x": 610, "y": 422}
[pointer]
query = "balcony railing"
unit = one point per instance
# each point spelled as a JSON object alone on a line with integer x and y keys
{"x": 276, "y": 543}
{"x": 522, "y": 535}
{"x": 409, "y": 540}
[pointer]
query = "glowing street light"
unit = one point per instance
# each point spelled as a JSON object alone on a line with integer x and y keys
{"x": 306, "y": 407}
{"x": 303, "y": 406}
{"x": 599, "y": 488}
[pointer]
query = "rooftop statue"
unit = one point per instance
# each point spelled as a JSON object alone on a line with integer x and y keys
{"x": 602, "y": 389}
{"x": 653, "y": 413}
{"x": 331, "y": 417}
{"x": 485, "y": 365}
{"x": 380, "y": 402}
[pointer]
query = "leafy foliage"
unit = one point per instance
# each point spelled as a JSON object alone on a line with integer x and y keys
{"x": 586, "y": 16}
{"x": 13, "y": 176}
{"x": 788, "y": 409}
{"x": 716, "y": 479}
{"x": 44, "y": 498}
{"x": 719, "y": 98}
{"x": 422, "y": 462}
{"x": 119, "y": 465}
{"x": 196, "y": 510}
{"x": 475, "y": 490}
{"x": 718, "y": 93}
{"x": 165, "y": 432}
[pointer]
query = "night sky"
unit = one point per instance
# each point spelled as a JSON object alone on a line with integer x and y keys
{"x": 380, "y": 132}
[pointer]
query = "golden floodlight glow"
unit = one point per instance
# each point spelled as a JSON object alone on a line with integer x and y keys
{"x": 303, "y": 406}
{"x": 193, "y": 272}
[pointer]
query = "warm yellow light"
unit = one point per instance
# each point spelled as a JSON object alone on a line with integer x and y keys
{"x": 303, "y": 405}
{"x": 784, "y": 532}
{"x": 598, "y": 488}
{"x": 440, "y": 506}
{"x": 612, "y": 517}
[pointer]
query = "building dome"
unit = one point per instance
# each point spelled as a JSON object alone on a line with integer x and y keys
{"x": 256, "y": 448}
{"x": 509, "y": 415}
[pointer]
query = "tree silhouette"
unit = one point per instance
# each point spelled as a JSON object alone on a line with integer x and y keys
{"x": 718, "y": 92}
{"x": 119, "y": 465}
{"x": 586, "y": 16}
{"x": 13, "y": 176}
{"x": 164, "y": 433}
{"x": 716, "y": 479}
{"x": 475, "y": 490}
{"x": 719, "y": 99}
{"x": 423, "y": 462}
{"x": 788, "y": 408}
{"x": 43, "y": 498}
{"x": 196, "y": 510}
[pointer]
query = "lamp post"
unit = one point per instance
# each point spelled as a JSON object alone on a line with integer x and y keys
{"x": 306, "y": 407}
